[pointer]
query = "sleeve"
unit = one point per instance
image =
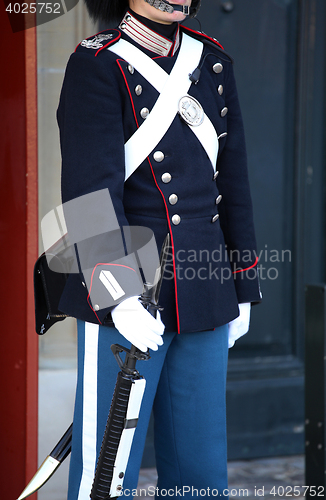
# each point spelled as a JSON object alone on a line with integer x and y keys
{"x": 92, "y": 148}
{"x": 236, "y": 206}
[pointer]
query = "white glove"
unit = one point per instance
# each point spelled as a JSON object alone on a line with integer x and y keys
{"x": 240, "y": 325}
{"x": 137, "y": 325}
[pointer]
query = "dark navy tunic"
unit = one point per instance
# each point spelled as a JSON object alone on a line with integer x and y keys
{"x": 214, "y": 258}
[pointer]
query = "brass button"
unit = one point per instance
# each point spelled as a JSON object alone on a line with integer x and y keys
{"x": 158, "y": 156}
{"x": 128, "y": 18}
{"x": 214, "y": 219}
{"x": 131, "y": 69}
{"x": 215, "y": 175}
{"x": 176, "y": 219}
{"x": 173, "y": 198}
{"x": 217, "y": 68}
{"x": 224, "y": 111}
{"x": 220, "y": 89}
{"x": 218, "y": 199}
{"x": 166, "y": 177}
{"x": 123, "y": 26}
{"x": 138, "y": 89}
{"x": 144, "y": 113}
{"x": 96, "y": 307}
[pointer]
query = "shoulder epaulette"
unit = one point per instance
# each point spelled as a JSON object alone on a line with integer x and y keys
{"x": 100, "y": 41}
{"x": 199, "y": 35}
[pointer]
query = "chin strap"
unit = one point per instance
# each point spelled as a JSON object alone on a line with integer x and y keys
{"x": 165, "y": 6}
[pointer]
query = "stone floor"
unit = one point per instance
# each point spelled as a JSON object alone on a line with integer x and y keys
{"x": 251, "y": 478}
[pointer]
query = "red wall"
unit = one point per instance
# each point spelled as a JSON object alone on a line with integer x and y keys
{"x": 18, "y": 252}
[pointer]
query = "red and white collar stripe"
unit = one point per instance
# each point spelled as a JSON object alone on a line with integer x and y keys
{"x": 148, "y": 38}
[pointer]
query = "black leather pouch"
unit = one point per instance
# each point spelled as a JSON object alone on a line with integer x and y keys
{"x": 48, "y": 287}
{"x": 51, "y": 272}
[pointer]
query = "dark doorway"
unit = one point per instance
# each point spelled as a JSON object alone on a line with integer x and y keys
{"x": 279, "y": 52}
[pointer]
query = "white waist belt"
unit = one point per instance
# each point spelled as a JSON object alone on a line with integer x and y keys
{"x": 171, "y": 87}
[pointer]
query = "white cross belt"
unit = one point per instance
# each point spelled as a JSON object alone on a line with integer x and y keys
{"x": 171, "y": 88}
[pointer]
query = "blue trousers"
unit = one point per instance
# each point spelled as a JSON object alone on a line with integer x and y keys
{"x": 185, "y": 387}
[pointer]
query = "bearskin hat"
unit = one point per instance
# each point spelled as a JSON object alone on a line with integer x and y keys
{"x": 113, "y": 10}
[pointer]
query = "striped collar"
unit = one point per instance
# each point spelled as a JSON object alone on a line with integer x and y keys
{"x": 148, "y": 38}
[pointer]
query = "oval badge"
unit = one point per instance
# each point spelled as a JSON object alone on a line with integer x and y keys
{"x": 191, "y": 110}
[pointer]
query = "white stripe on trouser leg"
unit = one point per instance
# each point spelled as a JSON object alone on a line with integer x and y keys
{"x": 89, "y": 425}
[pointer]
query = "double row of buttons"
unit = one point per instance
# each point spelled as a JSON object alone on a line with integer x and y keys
{"x": 173, "y": 198}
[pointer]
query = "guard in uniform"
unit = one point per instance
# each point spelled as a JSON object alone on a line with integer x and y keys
{"x": 149, "y": 110}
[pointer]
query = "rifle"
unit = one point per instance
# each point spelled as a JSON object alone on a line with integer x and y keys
{"x": 123, "y": 414}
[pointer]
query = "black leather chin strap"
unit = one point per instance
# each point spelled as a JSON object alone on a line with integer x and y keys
{"x": 165, "y": 6}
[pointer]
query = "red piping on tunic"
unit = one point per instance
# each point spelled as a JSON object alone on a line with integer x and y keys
{"x": 109, "y": 43}
{"x": 172, "y": 245}
{"x": 250, "y": 267}
{"x": 129, "y": 91}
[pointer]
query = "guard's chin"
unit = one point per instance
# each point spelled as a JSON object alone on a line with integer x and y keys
{"x": 177, "y": 16}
